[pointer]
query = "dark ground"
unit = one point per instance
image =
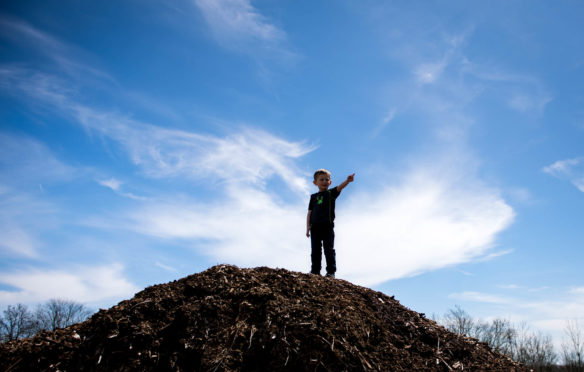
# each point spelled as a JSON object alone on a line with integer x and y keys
{"x": 231, "y": 319}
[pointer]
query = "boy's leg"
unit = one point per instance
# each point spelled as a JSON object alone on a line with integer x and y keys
{"x": 316, "y": 254}
{"x": 328, "y": 241}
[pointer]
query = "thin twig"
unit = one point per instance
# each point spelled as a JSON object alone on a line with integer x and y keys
{"x": 14, "y": 365}
{"x": 446, "y": 364}
{"x": 253, "y": 330}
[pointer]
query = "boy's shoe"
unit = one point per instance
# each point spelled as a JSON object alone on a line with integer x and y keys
{"x": 332, "y": 276}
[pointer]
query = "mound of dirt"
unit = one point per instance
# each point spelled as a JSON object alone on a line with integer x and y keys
{"x": 232, "y": 319}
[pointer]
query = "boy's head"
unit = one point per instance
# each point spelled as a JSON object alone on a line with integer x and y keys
{"x": 322, "y": 179}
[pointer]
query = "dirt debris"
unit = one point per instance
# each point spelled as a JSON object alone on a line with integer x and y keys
{"x": 262, "y": 319}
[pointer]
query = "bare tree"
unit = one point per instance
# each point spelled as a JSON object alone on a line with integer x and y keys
{"x": 459, "y": 321}
{"x": 58, "y": 313}
{"x": 573, "y": 346}
{"x": 535, "y": 350}
{"x": 499, "y": 334}
{"x": 532, "y": 349}
{"x": 17, "y": 322}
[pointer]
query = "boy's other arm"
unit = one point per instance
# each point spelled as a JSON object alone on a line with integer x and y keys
{"x": 308, "y": 223}
{"x": 349, "y": 179}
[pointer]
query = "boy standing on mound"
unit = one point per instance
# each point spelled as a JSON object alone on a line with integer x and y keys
{"x": 320, "y": 221}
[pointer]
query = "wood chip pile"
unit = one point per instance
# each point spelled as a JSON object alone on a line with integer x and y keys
{"x": 232, "y": 319}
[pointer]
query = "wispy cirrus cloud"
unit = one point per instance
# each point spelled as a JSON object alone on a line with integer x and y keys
{"x": 86, "y": 284}
{"x": 16, "y": 241}
{"x": 116, "y": 186}
{"x": 446, "y": 79}
{"x": 23, "y": 218}
{"x": 521, "y": 92}
{"x": 66, "y": 57}
{"x": 239, "y": 26}
{"x": 26, "y": 161}
{"x": 26, "y": 165}
{"x": 481, "y": 297}
{"x": 525, "y": 102}
{"x": 568, "y": 169}
{"x": 111, "y": 183}
{"x": 238, "y": 20}
{"x": 428, "y": 73}
{"x": 249, "y": 155}
{"x": 384, "y": 122}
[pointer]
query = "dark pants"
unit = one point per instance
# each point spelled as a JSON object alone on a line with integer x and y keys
{"x": 323, "y": 237}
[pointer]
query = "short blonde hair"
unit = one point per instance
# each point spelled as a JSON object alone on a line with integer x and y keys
{"x": 321, "y": 171}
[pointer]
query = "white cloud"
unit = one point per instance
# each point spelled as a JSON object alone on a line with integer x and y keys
{"x": 23, "y": 217}
{"x": 521, "y": 103}
{"x": 90, "y": 285}
{"x": 480, "y": 297}
{"x": 520, "y": 195}
{"x": 111, "y": 183}
{"x": 15, "y": 240}
{"x": 441, "y": 65}
{"x": 384, "y": 122}
{"x": 509, "y": 286}
{"x": 28, "y": 161}
{"x": 562, "y": 167}
{"x": 24, "y": 213}
{"x": 116, "y": 186}
{"x": 133, "y": 196}
{"x": 579, "y": 183}
{"x": 422, "y": 224}
{"x": 238, "y": 26}
{"x": 247, "y": 227}
{"x": 496, "y": 254}
{"x": 166, "y": 267}
{"x": 248, "y": 155}
{"x": 568, "y": 169}
{"x": 65, "y": 56}
{"x": 428, "y": 73}
{"x": 526, "y": 102}
{"x": 538, "y": 289}
{"x": 237, "y": 23}
{"x": 523, "y": 93}
{"x": 389, "y": 117}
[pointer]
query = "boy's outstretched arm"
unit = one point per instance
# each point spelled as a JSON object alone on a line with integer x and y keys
{"x": 308, "y": 223}
{"x": 349, "y": 179}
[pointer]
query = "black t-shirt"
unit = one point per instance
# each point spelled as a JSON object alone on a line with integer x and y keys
{"x": 322, "y": 205}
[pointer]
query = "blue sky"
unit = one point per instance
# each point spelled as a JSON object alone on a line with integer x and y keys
{"x": 143, "y": 141}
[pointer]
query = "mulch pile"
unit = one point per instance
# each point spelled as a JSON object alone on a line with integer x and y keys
{"x": 232, "y": 319}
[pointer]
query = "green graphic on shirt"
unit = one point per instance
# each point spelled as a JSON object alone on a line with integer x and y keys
{"x": 319, "y": 200}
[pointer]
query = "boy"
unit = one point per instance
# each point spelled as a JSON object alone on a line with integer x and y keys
{"x": 320, "y": 221}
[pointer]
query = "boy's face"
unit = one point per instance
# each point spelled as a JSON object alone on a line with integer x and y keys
{"x": 322, "y": 181}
